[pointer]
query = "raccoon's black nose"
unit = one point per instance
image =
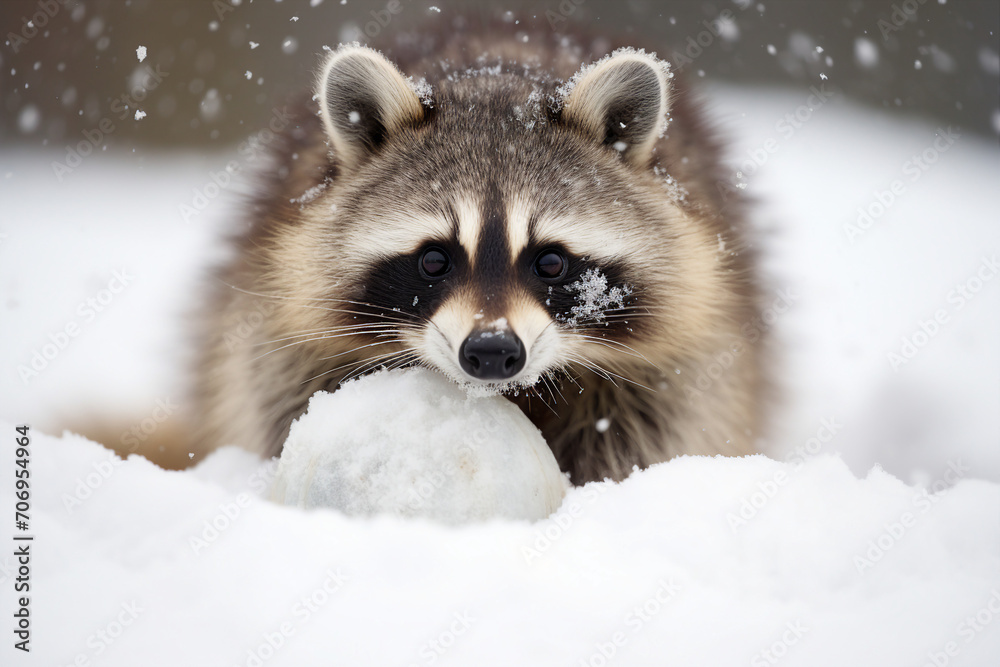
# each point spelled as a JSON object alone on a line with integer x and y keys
{"x": 492, "y": 355}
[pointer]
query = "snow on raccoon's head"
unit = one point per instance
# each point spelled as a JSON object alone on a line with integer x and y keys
{"x": 500, "y": 227}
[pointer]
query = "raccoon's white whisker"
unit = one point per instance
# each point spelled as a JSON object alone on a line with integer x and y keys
{"x": 382, "y": 334}
{"x": 606, "y": 374}
{"x": 554, "y": 385}
{"x": 298, "y": 298}
{"x": 593, "y": 368}
{"x": 366, "y": 361}
{"x": 403, "y": 361}
{"x": 357, "y": 362}
{"x": 617, "y": 317}
{"x": 326, "y": 337}
{"x": 631, "y": 351}
{"x": 548, "y": 385}
{"x": 318, "y": 332}
{"x": 396, "y": 314}
{"x": 361, "y": 347}
{"x": 399, "y": 315}
{"x": 374, "y": 363}
{"x": 372, "y": 305}
{"x": 540, "y": 397}
{"x": 567, "y": 372}
{"x": 370, "y": 365}
{"x": 610, "y": 343}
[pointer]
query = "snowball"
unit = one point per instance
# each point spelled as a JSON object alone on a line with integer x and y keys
{"x": 413, "y": 443}
{"x": 140, "y": 53}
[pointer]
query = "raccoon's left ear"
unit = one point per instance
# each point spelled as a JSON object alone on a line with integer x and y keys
{"x": 622, "y": 101}
{"x": 363, "y": 99}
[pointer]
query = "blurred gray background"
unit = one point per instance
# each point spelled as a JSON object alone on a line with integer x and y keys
{"x": 222, "y": 65}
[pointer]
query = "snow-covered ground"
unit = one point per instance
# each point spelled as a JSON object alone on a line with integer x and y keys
{"x": 890, "y": 357}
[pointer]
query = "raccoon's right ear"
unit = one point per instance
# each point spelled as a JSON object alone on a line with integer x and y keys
{"x": 363, "y": 99}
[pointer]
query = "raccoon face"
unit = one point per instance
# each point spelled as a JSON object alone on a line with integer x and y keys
{"x": 494, "y": 238}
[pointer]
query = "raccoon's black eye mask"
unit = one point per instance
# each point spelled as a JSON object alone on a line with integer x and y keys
{"x": 417, "y": 283}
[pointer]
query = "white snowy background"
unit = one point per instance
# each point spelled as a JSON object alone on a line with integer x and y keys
{"x": 879, "y": 545}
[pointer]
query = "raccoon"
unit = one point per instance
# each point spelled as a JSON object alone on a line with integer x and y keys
{"x": 483, "y": 206}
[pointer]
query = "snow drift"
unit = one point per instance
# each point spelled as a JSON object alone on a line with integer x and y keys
{"x": 698, "y": 561}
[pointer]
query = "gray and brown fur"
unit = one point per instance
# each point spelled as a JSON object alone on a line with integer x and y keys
{"x": 499, "y": 162}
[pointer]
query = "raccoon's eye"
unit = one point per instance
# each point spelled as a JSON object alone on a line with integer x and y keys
{"x": 434, "y": 263}
{"x": 550, "y": 265}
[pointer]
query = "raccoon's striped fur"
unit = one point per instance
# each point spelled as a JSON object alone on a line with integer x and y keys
{"x": 511, "y": 222}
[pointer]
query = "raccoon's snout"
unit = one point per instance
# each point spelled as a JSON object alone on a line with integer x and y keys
{"x": 492, "y": 355}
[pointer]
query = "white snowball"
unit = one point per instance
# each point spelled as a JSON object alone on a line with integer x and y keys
{"x": 413, "y": 443}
